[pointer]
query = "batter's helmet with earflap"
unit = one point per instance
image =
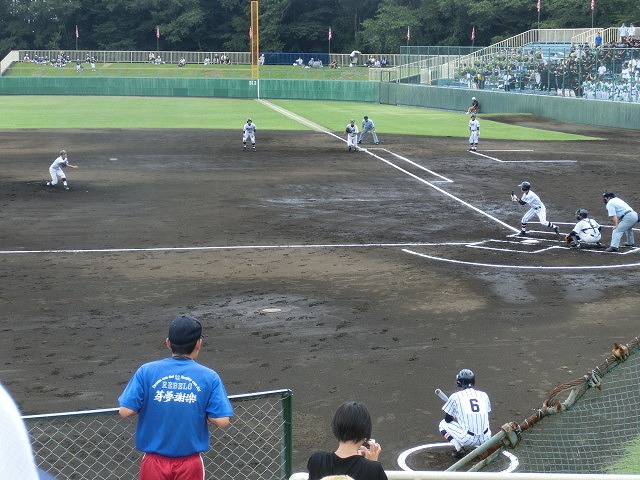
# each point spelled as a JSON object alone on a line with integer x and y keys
{"x": 525, "y": 186}
{"x": 581, "y": 213}
{"x": 465, "y": 378}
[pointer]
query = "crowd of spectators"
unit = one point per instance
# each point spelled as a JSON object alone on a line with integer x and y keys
{"x": 608, "y": 72}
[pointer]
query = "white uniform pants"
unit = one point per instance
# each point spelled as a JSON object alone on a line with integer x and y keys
{"x": 462, "y": 435}
{"x": 55, "y": 173}
{"x": 541, "y": 213}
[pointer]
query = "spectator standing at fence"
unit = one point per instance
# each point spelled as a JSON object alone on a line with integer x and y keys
{"x": 631, "y": 32}
{"x": 357, "y": 453}
{"x": 623, "y": 32}
{"x": 598, "y": 40}
{"x": 176, "y": 398}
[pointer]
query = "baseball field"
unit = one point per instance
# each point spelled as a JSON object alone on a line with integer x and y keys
{"x": 373, "y": 276}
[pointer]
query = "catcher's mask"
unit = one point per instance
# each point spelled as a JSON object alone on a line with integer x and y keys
{"x": 581, "y": 213}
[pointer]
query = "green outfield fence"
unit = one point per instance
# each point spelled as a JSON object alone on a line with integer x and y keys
{"x": 100, "y": 444}
{"x": 605, "y": 113}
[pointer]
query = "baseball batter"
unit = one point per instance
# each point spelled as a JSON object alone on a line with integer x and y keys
{"x": 368, "y": 127}
{"x": 466, "y": 420}
{"x": 249, "y": 133}
{"x": 537, "y": 208}
{"x": 474, "y": 133}
{"x": 352, "y": 135}
{"x": 586, "y": 233}
{"x": 56, "y": 170}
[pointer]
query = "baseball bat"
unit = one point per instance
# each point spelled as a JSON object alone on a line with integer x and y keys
{"x": 443, "y": 396}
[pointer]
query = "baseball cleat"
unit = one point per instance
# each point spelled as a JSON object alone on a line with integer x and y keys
{"x": 522, "y": 233}
{"x": 629, "y": 244}
{"x": 556, "y": 230}
{"x": 611, "y": 249}
{"x": 458, "y": 453}
{"x": 66, "y": 188}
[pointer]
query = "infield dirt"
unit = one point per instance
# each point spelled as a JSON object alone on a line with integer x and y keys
{"x": 320, "y": 235}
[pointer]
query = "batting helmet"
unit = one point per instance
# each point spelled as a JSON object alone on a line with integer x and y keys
{"x": 525, "y": 185}
{"x": 465, "y": 378}
{"x": 609, "y": 195}
{"x": 248, "y": 119}
{"x": 581, "y": 213}
{"x": 63, "y": 152}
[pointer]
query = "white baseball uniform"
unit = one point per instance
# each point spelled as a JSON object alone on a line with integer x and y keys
{"x": 55, "y": 170}
{"x": 474, "y": 132}
{"x": 587, "y": 230}
{"x": 470, "y": 409}
{"x": 537, "y": 208}
{"x": 249, "y": 132}
{"x": 352, "y": 136}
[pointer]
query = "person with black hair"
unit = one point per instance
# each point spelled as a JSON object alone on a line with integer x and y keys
{"x": 357, "y": 453}
{"x": 176, "y": 398}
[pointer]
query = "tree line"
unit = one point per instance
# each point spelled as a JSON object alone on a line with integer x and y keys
{"x": 381, "y": 26}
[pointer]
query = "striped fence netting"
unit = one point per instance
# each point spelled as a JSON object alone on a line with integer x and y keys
{"x": 100, "y": 444}
{"x": 589, "y": 425}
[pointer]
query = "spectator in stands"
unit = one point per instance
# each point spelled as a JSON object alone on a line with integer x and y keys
{"x": 310, "y": 63}
{"x": 16, "y": 455}
{"x": 623, "y": 32}
{"x": 598, "y": 40}
{"x": 224, "y": 59}
{"x": 26, "y": 58}
{"x": 176, "y": 398}
{"x": 631, "y": 32}
{"x": 357, "y": 452}
{"x": 384, "y": 62}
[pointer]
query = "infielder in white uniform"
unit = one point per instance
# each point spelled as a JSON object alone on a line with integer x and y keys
{"x": 537, "y": 208}
{"x": 249, "y": 132}
{"x": 466, "y": 420}
{"x": 586, "y": 233}
{"x": 368, "y": 126}
{"x": 55, "y": 170}
{"x": 352, "y": 135}
{"x": 474, "y": 133}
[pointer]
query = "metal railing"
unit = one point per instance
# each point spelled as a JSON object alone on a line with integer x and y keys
{"x": 99, "y": 444}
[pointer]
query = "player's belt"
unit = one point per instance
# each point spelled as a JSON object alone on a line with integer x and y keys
{"x": 475, "y": 434}
{"x": 625, "y": 213}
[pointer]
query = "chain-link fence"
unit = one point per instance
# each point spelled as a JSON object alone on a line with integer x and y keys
{"x": 100, "y": 444}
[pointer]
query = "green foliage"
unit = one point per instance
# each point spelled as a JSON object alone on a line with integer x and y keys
{"x": 287, "y": 25}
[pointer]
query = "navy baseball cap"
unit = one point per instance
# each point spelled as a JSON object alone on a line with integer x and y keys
{"x": 184, "y": 330}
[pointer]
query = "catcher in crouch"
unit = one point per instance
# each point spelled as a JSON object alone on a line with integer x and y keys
{"x": 586, "y": 233}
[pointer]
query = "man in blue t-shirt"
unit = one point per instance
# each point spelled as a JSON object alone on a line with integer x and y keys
{"x": 176, "y": 398}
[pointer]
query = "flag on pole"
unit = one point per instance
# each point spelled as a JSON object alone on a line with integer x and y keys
{"x": 78, "y": 35}
{"x": 330, "y": 35}
{"x": 408, "y": 34}
{"x": 473, "y": 33}
{"x": 157, "y": 32}
{"x": 593, "y": 5}
{"x": 251, "y": 32}
{"x": 538, "y": 6}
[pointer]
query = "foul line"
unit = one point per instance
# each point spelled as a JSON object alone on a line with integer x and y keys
{"x": 519, "y": 161}
{"x": 520, "y": 267}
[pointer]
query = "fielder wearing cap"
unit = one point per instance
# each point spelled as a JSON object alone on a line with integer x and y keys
{"x": 175, "y": 399}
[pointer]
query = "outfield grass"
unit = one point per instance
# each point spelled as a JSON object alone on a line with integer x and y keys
{"x": 214, "y": 113}
{"x": 138, "y": 70}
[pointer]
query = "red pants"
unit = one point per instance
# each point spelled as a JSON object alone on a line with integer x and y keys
{"x": 158, "y": 467}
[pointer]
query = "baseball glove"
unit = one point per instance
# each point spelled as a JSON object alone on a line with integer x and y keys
{"x": 348, "y": 129}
